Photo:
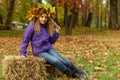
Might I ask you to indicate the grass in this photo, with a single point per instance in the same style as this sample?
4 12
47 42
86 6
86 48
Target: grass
99 55
0 72
11 33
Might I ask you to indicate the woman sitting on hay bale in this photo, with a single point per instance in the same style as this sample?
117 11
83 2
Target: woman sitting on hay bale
40 33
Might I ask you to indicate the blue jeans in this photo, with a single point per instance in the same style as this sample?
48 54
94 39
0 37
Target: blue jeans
55 59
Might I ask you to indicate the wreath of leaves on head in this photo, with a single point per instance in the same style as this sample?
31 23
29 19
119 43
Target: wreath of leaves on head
34 12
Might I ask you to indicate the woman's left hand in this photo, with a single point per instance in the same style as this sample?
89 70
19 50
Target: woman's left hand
57 29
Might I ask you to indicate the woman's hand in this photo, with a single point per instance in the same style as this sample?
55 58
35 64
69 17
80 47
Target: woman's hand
57 29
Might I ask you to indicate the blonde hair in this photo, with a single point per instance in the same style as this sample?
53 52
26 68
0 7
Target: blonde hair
49 24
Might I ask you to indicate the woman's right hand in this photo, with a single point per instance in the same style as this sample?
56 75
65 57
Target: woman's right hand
57 29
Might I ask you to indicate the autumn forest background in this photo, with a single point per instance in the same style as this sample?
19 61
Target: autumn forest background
89 33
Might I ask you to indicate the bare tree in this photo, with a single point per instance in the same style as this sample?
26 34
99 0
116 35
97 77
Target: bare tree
113 19
10 9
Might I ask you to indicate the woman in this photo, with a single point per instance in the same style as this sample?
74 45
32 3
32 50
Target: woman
39 32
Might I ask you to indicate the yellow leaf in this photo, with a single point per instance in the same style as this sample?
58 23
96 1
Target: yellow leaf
99 68
52 9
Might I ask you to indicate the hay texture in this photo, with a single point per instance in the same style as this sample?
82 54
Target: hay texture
55 74
27 68
30 68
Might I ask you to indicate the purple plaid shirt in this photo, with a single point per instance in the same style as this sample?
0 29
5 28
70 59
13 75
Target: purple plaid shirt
40 42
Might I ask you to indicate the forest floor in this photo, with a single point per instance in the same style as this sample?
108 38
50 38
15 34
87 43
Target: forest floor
96 52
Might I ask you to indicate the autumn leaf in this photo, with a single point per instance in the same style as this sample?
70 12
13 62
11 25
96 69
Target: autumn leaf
99 68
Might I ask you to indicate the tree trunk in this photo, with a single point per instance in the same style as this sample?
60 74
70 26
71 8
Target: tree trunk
101 14
89 20
106 14
1 23
84 18
75 22
66 19
97 13
11 8
71 23
65 15
113 19
118 12
1 20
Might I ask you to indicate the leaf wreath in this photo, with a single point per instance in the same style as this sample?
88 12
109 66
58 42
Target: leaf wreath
34 12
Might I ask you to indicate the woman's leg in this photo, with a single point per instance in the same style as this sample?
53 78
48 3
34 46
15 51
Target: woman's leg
53 60
67 63
58 64
55 54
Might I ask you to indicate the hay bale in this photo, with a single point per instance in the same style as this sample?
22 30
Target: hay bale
28 68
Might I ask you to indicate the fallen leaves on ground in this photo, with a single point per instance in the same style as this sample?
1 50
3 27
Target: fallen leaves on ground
85 46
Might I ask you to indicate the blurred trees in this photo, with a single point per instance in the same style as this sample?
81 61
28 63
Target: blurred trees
72 10
102 14
14 10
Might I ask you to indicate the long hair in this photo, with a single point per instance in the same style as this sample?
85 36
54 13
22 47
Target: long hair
37 26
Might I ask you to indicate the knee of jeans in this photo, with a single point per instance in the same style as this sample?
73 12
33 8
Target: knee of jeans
57 62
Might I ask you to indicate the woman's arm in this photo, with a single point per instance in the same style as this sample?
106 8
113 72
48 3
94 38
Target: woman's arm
54 38
26 38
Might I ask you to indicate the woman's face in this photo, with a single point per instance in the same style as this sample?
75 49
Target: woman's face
43 18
